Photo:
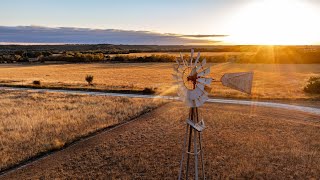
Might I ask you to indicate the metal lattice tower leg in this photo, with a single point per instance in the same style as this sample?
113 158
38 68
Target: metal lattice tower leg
195 128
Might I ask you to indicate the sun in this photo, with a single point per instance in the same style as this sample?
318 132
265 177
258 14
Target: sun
275 22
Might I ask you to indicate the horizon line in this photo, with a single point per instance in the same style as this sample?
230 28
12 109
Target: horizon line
123 36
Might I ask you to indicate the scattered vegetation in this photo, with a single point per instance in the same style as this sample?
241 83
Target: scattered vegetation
89 79
36 82
313 85
33 123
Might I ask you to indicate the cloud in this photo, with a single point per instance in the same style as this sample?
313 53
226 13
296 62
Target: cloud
70 35
204 35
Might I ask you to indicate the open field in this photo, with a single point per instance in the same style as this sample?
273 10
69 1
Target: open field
271 81
177 54
33 123
239 143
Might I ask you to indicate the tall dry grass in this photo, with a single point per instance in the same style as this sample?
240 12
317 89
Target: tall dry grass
32 123
271 81
177 54
239 142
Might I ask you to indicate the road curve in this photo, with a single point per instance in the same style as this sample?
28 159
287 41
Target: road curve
311 110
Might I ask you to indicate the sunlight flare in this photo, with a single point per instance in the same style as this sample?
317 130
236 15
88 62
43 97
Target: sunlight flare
275 22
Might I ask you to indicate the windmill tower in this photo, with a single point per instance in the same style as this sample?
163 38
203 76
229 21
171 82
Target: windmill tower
193 81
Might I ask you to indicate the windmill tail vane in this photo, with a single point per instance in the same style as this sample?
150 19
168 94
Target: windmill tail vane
193 81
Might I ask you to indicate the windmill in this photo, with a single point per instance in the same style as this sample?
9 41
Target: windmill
193 81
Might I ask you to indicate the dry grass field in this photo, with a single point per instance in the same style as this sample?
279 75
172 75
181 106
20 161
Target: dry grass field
32 123
271 81
177 54
240 142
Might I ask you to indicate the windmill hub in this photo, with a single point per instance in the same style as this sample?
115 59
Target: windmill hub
193 78
189 78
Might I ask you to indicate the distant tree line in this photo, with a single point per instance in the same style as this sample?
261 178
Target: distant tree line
258 54
76 57
122 49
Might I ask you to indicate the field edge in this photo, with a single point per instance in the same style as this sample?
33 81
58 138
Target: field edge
75 141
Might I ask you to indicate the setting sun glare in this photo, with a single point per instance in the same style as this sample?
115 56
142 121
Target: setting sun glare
275 22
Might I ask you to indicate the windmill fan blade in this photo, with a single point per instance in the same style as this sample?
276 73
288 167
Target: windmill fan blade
203 63
177 83
238 81
203 98
185 63
193 71
197 102
176 70
197 60
204 72
182 92
200 86
177 77
205 81
176 67
194 94
191 57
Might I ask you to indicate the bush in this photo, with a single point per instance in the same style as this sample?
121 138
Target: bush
38 83
313 85
148 91
89 79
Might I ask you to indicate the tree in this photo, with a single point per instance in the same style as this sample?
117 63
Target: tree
37 54
89 79
313 85
20 53
46 53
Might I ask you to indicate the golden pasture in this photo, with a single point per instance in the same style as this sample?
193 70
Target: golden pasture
177 54
33 123
240 142
271 81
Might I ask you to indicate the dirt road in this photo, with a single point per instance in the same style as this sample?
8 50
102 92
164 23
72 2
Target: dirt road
313 110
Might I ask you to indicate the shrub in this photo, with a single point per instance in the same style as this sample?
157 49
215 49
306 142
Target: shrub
313 85
148 91
89 79
38 83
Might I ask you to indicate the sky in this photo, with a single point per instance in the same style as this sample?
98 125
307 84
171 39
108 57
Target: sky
244 21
